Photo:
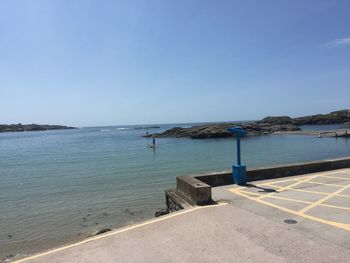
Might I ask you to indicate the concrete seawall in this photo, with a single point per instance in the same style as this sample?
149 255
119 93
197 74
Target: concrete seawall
196 189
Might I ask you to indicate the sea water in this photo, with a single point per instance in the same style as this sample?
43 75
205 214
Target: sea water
61 186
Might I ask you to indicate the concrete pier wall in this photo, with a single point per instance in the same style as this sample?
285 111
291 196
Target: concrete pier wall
196 189
276 171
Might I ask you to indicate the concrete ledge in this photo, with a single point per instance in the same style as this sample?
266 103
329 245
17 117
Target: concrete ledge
216 179
196 191
278 171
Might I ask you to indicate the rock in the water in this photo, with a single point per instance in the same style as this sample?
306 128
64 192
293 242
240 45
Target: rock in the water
103 230
219 130
30 127
162 212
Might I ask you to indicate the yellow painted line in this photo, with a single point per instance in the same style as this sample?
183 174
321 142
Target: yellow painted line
348 196
336 206
297 178
336 177
289 186
324 199
121 230
289 199
303 190
238 188
276 197
270 185
320 220
249 193
334 185
281 181
297 200
294 178
307 202
308 191
282 198
273 181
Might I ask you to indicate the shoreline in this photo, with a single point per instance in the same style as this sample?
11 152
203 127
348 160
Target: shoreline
152 236
325 133
203 177
83 237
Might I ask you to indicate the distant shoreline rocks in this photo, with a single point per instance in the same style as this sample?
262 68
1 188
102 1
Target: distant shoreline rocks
338 133
31 127
268 125
147 127
335 117
219 130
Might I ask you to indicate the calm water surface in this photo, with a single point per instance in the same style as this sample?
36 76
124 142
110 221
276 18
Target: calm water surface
62 186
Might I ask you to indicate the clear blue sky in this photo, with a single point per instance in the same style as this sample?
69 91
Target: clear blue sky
88 63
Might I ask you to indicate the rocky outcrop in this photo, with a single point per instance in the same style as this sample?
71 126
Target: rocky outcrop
277 120
335 117
219 130
268 125
30 127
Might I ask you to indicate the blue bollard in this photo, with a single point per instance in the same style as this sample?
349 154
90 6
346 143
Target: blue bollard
239 174
238 170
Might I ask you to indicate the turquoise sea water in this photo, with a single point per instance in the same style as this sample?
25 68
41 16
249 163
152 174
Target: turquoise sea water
62 186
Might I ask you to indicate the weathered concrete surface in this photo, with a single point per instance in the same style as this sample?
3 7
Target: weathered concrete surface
279 171
242 231
196 191
319 202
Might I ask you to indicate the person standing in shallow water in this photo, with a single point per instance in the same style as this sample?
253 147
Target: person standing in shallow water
154 142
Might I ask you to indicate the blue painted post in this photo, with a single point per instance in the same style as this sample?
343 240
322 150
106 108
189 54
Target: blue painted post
238 170
238 150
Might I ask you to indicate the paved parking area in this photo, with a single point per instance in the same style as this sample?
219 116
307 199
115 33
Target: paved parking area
321 197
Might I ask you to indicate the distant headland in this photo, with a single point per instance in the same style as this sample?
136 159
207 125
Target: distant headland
268 125
31 127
